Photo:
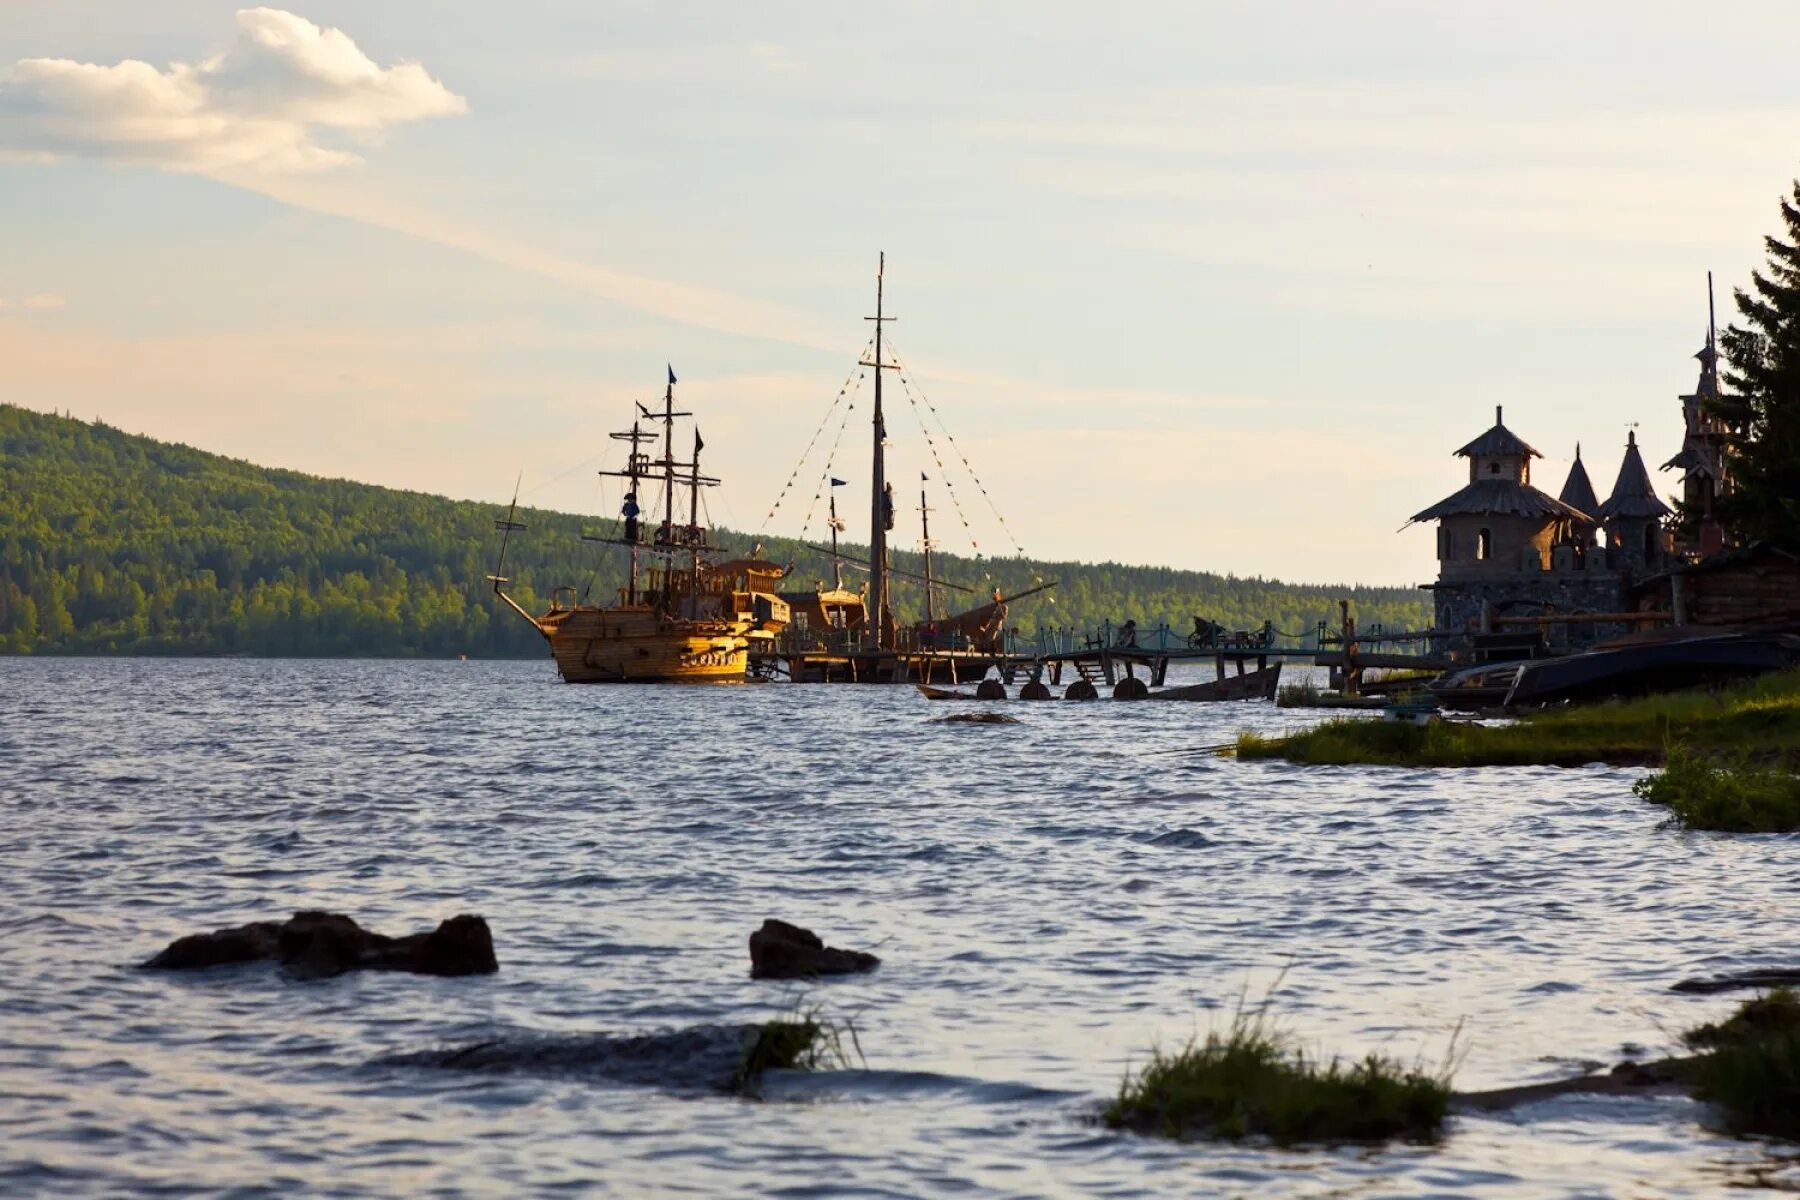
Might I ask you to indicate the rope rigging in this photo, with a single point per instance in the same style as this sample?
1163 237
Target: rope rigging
854 379
943 471
822 487
904 372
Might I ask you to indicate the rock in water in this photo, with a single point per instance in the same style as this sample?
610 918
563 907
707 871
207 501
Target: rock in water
323 944
460 946
246 943
782 951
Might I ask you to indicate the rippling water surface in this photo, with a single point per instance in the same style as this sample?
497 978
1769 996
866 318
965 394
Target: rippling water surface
1050 900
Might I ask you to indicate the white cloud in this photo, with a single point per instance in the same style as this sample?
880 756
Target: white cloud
285 97
39 300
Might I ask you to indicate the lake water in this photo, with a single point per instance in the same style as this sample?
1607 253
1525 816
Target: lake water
1050 900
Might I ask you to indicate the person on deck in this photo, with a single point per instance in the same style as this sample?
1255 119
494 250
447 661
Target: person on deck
629 510
664 535
1128 633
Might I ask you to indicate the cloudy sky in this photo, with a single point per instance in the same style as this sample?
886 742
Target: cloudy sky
1216 285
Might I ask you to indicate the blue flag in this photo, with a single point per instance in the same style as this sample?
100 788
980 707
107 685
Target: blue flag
671 376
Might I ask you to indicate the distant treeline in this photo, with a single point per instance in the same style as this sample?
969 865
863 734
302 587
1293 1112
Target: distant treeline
111 543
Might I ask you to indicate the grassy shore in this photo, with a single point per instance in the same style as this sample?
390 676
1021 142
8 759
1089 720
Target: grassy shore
1252 1081
1751 1068
1758 721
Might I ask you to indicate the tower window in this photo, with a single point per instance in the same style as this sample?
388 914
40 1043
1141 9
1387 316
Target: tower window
1649 543
1484 546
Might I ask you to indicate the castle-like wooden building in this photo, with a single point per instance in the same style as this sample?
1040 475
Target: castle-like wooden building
1507 549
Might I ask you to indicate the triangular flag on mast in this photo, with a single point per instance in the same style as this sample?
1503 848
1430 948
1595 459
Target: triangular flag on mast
671 376
698 444
837 482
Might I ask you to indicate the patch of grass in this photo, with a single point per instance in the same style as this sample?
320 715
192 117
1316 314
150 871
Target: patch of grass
1773 1012
1304 694
1252 1080
803 1040
1732 796
1758 718
1752 1071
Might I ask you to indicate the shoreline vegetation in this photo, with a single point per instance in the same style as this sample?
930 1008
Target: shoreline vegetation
1757 719
1730 757
112 543
1255 1080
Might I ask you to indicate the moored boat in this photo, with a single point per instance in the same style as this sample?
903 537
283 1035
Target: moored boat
687 617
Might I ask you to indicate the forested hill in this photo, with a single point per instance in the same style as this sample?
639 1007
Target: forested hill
111 543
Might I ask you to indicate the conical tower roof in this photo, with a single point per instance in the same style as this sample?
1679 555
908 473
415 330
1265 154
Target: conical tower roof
1632 494
1578 490
1498 441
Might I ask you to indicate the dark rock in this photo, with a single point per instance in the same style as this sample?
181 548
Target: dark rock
1665 1076
990 689
979 718
782 951
246 943
1767 978
319 944
460 946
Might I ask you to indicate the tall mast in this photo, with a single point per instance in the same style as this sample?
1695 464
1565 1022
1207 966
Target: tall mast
632 476
837 564
668 462
694 519
878 475
925 542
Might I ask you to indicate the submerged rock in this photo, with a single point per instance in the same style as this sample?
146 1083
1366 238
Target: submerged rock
701 1058
1768 977
782 951
322 944
978 718
1666 1076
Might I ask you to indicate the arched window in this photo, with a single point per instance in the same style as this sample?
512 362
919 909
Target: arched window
1484 546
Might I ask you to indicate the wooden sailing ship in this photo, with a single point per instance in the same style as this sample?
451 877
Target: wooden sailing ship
853 636
682 616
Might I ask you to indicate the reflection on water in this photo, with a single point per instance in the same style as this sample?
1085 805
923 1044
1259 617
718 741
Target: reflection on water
1049 900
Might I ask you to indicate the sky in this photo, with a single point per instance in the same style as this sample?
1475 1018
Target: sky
1211 285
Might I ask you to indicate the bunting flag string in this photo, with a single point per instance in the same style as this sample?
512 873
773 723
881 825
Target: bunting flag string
949 437
852 383
820 488
943 471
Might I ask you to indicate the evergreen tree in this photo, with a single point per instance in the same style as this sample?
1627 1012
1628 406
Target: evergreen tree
1764 412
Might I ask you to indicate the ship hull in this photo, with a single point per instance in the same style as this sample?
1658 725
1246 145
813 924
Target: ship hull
595 645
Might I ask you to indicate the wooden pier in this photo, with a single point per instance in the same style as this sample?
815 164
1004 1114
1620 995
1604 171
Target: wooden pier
1121 661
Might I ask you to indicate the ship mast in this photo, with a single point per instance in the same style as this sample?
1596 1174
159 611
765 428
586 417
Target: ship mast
693 538
925 543
837 564
879 503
